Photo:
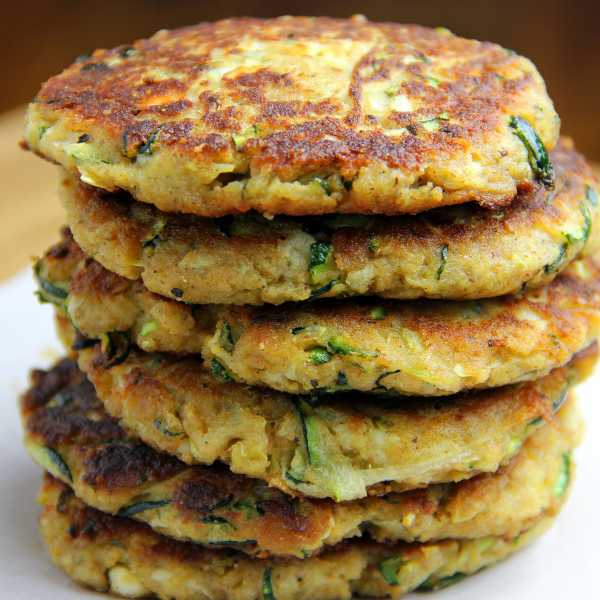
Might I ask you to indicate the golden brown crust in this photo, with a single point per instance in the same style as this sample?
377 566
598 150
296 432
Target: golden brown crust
453 253
241 111
417 348
126 558
175 406
421 348
113 472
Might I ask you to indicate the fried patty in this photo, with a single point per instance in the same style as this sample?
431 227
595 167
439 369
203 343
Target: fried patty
422 347
68 432
300 116
341 447
126 558
462 252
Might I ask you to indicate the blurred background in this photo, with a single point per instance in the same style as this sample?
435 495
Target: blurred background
41 37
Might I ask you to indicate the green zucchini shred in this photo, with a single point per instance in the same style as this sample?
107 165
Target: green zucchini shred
558 261
562 482
219 371
158 424
59 462
226 338
115 346
266 587
591 195
539 160
443 261
430 585
49 292
389 569
337 345
324 289
215 520
378 384
146 147
147 328
320 262
297 330
138 507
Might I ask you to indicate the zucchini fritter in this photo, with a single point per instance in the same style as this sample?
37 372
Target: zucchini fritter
300 116
127 558
68 432
459 253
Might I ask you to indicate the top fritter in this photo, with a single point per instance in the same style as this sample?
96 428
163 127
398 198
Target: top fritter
300 116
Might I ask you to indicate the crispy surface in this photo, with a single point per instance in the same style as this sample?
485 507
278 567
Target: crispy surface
297 116
417 348
128 559
460 253
371 448
427 348
113 472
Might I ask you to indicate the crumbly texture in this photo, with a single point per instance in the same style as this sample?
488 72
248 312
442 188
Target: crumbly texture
98 301
339 447
113 472
428 348
300 116
128 559
462 252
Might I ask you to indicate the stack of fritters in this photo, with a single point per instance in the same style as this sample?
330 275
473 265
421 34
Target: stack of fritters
326 286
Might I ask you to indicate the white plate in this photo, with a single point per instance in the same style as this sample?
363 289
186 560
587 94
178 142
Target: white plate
563 564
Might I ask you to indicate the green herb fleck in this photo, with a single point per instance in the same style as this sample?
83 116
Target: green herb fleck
536 151
443 261
389 569
297 330
138 507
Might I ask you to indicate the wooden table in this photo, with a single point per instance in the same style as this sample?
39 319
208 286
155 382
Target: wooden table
30 213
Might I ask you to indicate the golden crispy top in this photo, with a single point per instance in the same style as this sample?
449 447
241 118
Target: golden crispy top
295 96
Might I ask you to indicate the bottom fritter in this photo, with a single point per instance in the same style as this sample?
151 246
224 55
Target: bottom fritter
127 558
